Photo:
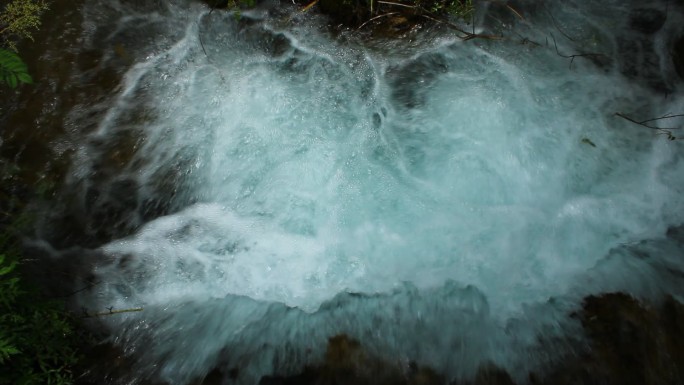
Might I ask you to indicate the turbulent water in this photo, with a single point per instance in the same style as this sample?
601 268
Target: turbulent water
443 201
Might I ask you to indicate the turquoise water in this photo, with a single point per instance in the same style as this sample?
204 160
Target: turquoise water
445 202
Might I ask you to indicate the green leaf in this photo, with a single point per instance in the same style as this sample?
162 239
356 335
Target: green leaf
6 350
6 269
12 81
25 78
12 69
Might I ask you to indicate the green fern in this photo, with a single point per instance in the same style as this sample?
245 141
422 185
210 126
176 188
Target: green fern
8 294
12 69
6 350
38 342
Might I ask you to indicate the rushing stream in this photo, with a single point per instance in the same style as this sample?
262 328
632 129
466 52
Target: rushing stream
260 184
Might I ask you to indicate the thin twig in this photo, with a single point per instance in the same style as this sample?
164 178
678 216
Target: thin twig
308 6
525 40
514 11
376 17
661 131
199 33
643 123
572 57
110 311
90 284
553 19
467 34
667 116
509 7
398 4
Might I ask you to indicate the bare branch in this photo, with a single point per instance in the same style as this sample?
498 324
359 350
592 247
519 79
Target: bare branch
572 57
555 24
467 35
110 311
660 130
667 116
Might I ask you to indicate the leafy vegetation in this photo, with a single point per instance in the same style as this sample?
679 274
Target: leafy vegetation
38 339
37 344
463 9
12 69
19 19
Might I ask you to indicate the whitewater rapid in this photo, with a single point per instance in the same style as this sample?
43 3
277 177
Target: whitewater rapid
446 202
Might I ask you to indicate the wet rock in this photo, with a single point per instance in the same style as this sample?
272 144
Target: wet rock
125 192
217 376
676 233
492 375
647 20
386 19
152 208
639 62
410 81
377 120
108 363
347 362
347 12
121 198
678 56
630 343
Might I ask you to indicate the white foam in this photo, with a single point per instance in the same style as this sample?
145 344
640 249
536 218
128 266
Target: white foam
489 176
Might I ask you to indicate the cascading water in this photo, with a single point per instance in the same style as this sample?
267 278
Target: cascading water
428 196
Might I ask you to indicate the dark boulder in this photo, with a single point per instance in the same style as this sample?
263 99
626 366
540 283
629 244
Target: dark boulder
647 20
347 12
678 56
